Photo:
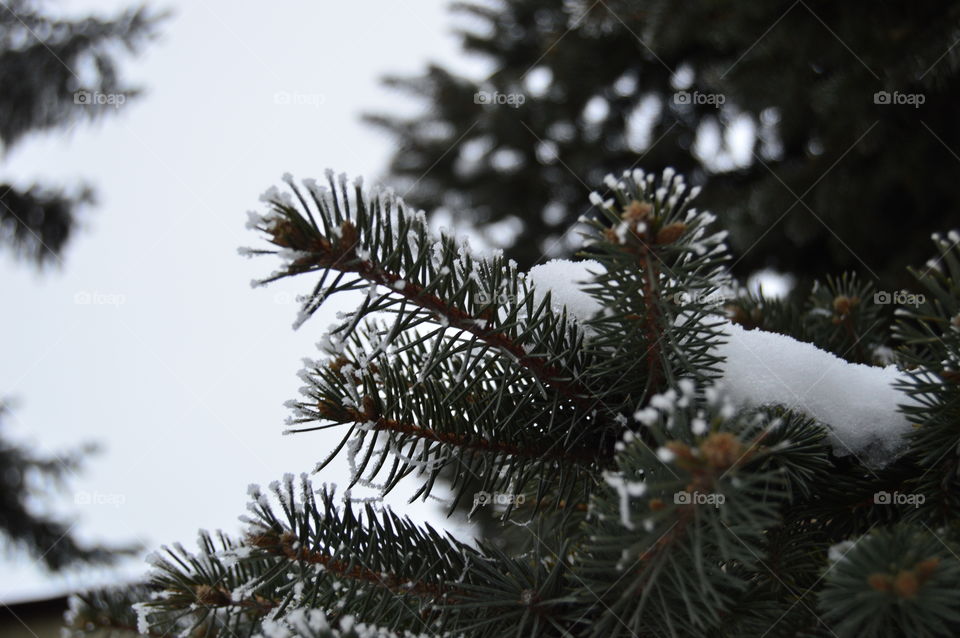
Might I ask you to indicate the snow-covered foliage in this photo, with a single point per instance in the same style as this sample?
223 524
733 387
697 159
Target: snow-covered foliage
313 623
858 403
565 280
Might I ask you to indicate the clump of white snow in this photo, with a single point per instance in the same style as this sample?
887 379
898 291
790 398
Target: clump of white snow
839 551
857 403
566 281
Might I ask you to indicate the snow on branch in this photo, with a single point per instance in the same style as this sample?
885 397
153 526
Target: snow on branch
858 403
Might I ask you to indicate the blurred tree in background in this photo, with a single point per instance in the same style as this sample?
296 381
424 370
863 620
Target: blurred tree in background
54 73
827 131
48 539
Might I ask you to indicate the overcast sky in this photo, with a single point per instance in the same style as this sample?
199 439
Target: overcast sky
149 338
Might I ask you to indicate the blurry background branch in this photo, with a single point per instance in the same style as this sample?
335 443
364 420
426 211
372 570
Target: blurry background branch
52 71
54 74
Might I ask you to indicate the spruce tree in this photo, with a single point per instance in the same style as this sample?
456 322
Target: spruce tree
852 110
49 66
46 538
685 457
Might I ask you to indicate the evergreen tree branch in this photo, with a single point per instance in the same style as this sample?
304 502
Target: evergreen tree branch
930 334
428 410
379 568
893 582
714 487
380 243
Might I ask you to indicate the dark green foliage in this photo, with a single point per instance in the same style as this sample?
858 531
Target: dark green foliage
930 332
832 182
897 582
666 296
317 555
712 493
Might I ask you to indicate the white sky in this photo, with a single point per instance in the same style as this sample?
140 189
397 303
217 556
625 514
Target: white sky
183 382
